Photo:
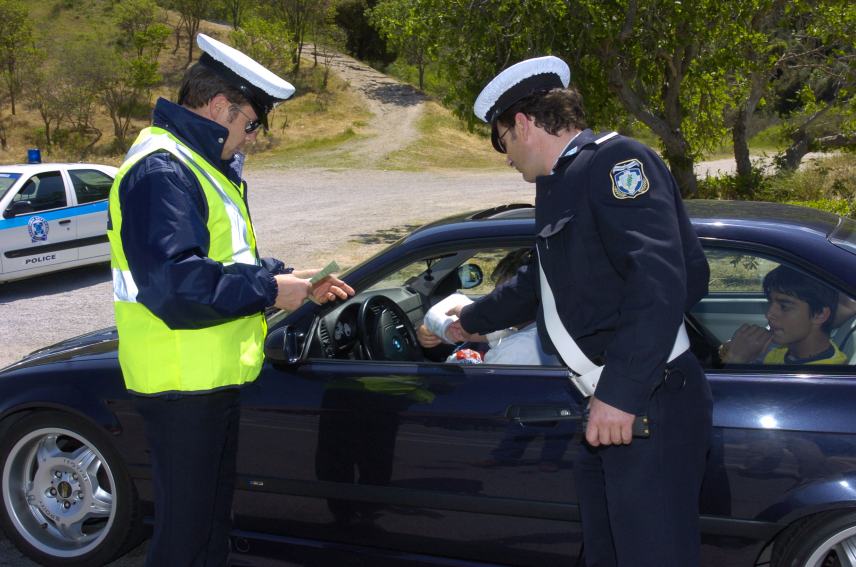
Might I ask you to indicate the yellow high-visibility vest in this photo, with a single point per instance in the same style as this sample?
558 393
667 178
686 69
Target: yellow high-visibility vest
153 357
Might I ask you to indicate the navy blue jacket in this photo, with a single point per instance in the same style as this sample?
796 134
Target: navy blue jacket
166 241
623 270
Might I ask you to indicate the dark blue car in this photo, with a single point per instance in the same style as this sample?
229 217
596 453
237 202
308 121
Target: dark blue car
358 447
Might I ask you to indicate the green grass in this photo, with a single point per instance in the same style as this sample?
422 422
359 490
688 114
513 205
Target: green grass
445 143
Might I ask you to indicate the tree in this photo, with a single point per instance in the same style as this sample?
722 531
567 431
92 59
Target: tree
80 76
267 41
362 40
410 30
15 42
44 94
665 63
237 10
658 61
298 15
820 62
142 26
191 12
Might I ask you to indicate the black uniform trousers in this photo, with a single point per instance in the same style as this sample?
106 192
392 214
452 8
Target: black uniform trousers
639 503
194 441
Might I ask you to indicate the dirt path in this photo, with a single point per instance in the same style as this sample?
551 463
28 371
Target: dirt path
395 107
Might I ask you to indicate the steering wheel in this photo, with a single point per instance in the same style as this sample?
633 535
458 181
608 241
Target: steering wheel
386 332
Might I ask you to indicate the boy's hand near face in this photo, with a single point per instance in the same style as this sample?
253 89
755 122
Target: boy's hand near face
747 345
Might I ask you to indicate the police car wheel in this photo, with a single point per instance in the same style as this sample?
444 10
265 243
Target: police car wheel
67 497
822 540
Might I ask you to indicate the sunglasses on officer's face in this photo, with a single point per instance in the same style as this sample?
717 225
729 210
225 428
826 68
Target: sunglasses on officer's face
252 125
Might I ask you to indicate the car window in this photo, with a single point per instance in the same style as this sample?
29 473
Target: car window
90 184
763 311
6 181
443 279
42 192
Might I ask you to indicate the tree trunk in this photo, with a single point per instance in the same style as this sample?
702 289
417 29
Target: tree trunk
178 27
10 69
802 140
677 148
683 170
792 157
88 148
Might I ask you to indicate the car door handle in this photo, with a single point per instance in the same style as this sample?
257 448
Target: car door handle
64 221
542 413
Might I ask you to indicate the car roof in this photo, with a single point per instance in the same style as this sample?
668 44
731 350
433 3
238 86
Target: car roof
806 236
702 212
39 167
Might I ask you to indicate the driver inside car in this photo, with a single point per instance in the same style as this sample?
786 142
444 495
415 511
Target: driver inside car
517 345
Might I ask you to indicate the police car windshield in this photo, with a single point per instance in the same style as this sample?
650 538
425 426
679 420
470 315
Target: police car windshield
6 181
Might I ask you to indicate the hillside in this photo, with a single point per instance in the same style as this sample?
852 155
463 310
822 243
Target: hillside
345 124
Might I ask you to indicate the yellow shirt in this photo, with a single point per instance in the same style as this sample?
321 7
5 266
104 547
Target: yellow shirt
778 354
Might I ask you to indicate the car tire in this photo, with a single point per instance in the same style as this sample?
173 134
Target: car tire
68 499
822 540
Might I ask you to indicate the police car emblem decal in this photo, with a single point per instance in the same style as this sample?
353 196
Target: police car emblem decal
628 179
38 228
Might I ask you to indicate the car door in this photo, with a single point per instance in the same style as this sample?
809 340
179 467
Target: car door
464 461
38 230
91 188
426 458
784 441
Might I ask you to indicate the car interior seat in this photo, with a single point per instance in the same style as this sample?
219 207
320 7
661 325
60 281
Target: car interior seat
843 335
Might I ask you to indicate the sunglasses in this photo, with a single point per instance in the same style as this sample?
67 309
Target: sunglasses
252 125
499 139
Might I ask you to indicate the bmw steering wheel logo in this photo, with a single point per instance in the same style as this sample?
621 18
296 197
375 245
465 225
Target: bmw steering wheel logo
396 343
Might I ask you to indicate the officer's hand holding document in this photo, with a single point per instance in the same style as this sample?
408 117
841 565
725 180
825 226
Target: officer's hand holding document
324 286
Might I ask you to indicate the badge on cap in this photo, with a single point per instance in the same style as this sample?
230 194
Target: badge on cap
628 179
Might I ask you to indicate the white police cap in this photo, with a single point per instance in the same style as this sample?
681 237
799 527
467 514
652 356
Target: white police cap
262 88
519 81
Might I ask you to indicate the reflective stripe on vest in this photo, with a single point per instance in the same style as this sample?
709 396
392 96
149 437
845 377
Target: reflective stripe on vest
153 357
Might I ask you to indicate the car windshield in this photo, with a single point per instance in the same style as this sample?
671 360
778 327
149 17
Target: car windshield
6 181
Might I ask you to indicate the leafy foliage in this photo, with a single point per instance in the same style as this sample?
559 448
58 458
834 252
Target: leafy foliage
362 40
16 33
267 41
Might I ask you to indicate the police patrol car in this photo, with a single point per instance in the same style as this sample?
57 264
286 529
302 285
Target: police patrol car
54 216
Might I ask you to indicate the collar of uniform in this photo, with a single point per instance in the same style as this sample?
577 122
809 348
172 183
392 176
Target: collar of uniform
205 136
583 138
570 149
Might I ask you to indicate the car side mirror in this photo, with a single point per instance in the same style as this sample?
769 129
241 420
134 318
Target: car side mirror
284 345
470 276
18 208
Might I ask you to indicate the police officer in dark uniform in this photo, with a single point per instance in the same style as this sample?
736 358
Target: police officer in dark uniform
621 264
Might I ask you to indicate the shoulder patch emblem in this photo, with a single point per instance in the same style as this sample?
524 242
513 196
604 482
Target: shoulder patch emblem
628 179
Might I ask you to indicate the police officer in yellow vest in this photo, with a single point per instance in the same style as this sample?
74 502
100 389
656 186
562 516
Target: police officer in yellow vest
190 291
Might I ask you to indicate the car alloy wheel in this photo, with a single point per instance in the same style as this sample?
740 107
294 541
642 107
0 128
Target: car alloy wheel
67 500
824 540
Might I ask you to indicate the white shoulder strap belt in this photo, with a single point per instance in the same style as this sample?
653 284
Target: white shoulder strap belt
584 373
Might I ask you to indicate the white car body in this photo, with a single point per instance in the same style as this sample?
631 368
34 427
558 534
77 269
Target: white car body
54 217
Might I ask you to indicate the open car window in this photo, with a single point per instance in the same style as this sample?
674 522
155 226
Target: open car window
761 311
